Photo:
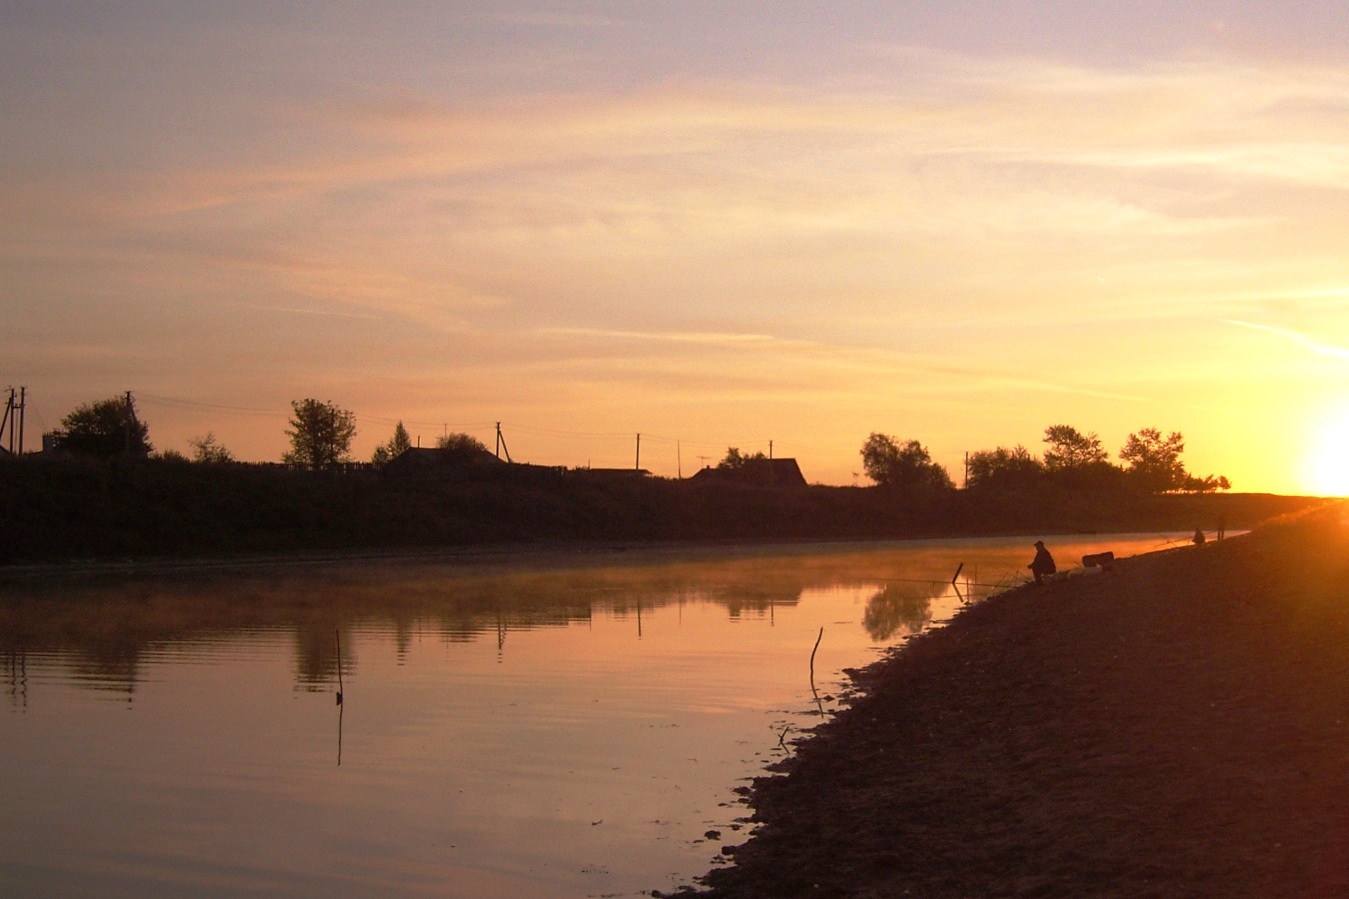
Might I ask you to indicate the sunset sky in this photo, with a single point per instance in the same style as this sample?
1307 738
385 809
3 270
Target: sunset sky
713 224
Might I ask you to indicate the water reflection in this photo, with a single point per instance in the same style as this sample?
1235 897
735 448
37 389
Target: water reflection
901 608
16 678
101 626
553 727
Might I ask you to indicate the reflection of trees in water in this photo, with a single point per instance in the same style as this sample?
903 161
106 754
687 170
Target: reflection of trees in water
900 606
108 647
115 668
757 599
16 678
316 654
101 627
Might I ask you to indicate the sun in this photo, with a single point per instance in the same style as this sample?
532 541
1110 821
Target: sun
1325 468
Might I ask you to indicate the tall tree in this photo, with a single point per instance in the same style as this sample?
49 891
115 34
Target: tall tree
902 465
105 429
1154 460
321 435
1070 449
398 444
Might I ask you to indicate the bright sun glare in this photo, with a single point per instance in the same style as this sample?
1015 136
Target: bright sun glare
1326 467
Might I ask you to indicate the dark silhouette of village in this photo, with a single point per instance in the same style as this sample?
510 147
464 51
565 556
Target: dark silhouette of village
99 492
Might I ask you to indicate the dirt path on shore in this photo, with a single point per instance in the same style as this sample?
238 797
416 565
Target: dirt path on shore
1177 728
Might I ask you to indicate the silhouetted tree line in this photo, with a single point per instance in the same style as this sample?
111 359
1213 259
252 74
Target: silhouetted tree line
1071 460
320 436
321 433
107 493
110 496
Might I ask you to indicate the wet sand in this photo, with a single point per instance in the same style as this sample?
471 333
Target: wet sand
1178 727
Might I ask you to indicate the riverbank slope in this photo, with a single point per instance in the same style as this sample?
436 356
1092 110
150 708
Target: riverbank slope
62 510
1178 727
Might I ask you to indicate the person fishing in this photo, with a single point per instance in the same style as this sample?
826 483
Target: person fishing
1042 564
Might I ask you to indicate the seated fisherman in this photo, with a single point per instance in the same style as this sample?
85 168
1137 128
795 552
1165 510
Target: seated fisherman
1042 564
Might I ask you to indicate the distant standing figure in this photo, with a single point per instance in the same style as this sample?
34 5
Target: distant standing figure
1042 564
1199 537
1222 526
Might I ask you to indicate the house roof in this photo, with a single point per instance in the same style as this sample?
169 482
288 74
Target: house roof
773 472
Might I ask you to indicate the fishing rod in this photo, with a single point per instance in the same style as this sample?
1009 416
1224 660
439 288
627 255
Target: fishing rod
933 582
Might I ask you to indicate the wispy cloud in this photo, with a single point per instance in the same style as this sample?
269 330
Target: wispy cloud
1302 340
920 235
327 313
701 338
803 365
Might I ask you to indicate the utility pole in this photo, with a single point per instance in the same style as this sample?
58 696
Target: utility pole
770 450
9 412
679 461
638 467
23 404
501 444
130 420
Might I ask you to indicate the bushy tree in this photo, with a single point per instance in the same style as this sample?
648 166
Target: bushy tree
1206 484
1076 460
209 451
1003 469
905 466
1154 460
1069 448
461 441
398 444
735 459
321 435
104 429
463 448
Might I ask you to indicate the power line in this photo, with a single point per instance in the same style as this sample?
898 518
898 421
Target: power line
184 403
699 448
515 426
426 425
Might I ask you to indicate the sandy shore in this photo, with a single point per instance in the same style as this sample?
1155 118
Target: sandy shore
1179 727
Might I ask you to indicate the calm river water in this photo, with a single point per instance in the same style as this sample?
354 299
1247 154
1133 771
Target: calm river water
556 726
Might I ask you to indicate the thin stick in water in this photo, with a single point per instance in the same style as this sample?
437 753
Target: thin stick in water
340 686
812 658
